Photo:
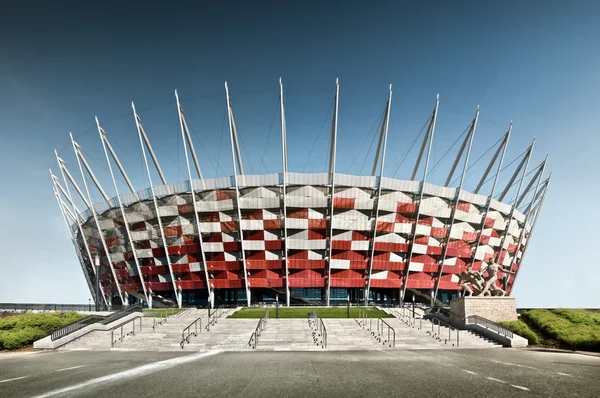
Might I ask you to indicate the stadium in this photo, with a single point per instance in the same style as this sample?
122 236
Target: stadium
321 239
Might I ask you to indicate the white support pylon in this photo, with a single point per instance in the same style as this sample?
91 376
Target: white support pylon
284 181
233 139
491 196
123 297
104 141
142 133
193 194
64 212
430 134
332 156
384 135
470 137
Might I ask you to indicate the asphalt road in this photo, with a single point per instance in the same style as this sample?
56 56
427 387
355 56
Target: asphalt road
413 373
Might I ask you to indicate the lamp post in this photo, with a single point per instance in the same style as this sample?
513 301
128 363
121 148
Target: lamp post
413 300
89 305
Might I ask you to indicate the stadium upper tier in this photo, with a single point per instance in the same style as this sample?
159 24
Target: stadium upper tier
289 231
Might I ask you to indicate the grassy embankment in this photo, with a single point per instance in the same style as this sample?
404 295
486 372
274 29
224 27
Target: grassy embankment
18 330
560 328
303 312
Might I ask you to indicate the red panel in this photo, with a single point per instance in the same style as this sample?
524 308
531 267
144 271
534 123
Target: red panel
189 285
224 265
306 264
317 223
264 264
307 282
393 283
383 226
347 283
254 235
185 209
438 232
172 231
254 215
469 236
227 284
316 234
435 250
341 244
232 246
343 203
406 208
229 226
272 224
391 247
264 282
221 195
177 250
388 265
273 245
158 252
297 213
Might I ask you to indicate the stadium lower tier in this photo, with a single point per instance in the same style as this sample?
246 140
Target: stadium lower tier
256 240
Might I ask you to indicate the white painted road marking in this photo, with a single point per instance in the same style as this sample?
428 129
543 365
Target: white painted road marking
513 364
469 372
563 374
72 367
16 378
139 371
520 387
498 380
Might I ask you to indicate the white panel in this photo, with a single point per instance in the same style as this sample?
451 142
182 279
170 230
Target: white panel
312 255
225 217
396 196
435 190
302 244
399 185
359 245
115 257
208 227
364 204
196 267
419 249
468 217
482 251
302 234
352 193
476 199
415 267
307 179
379 275
390 238
232 256
403 228
271 236
259 203
339 264
139 235
296 223
144 253
454 278
423 230
354 181
257 180
504 208
342 235
390 217
315 215
254 245
106 224
306 202
450 261
269 215
396 258
520 217
213 246
252 225
225 237
213 183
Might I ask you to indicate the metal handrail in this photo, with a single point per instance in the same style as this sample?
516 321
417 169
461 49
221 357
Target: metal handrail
74 326
186 339
320 331
212 317
391 333
118 315
259 328
112 330
490 325
438 335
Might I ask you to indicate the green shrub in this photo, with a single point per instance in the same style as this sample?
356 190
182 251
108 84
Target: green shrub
22 329
13 339
521 328
574 335
585 317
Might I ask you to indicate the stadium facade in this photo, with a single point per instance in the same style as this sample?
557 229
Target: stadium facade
322 238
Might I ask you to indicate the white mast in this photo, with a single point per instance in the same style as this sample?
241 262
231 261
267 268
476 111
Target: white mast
332 155
284 180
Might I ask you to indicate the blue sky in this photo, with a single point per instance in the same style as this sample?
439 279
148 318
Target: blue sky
530 61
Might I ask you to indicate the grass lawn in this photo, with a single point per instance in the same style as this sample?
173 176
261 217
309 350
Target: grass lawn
18 330
523 330
157 311
572 329
302 312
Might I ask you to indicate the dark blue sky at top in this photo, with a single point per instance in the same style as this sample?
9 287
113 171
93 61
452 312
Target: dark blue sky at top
63 63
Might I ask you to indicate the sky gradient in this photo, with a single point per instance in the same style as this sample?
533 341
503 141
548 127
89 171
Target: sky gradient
532 62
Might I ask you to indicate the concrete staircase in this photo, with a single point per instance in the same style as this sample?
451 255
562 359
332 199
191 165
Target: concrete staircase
287 335
418 329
